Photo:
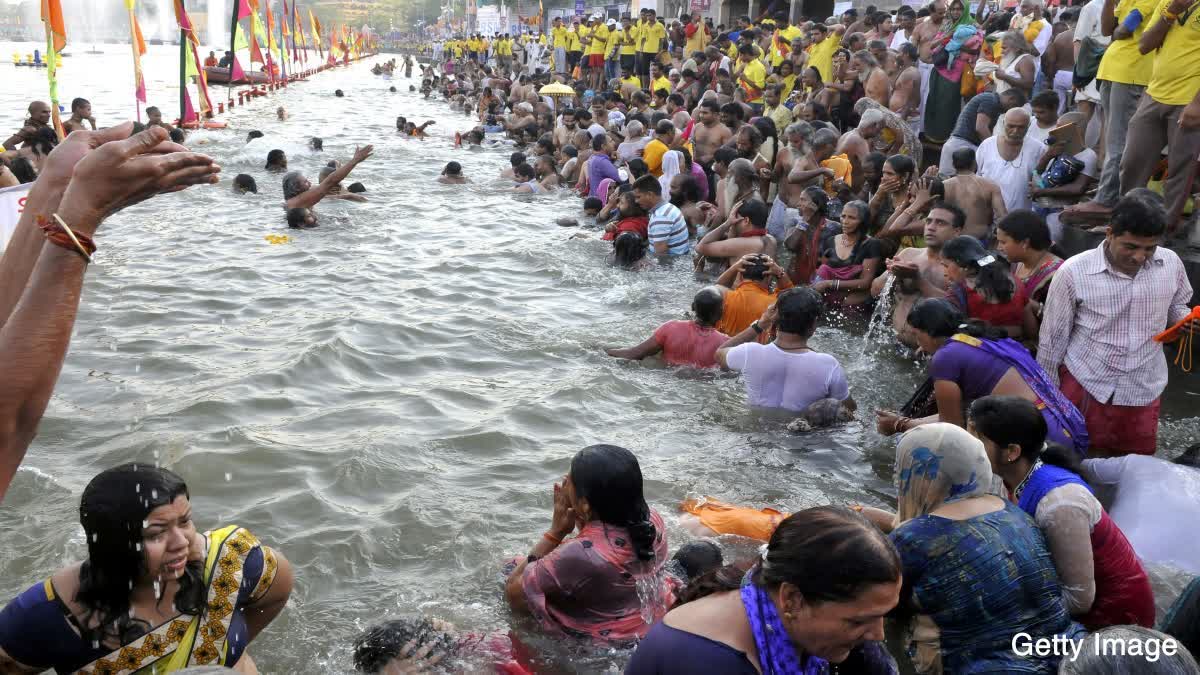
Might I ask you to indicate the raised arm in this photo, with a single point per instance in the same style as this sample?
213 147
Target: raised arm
101 175
311 196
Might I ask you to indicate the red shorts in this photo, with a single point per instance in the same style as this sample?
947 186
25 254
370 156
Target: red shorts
1113 430
595 61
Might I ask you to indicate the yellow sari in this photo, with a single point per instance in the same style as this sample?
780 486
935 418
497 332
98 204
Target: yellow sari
190 640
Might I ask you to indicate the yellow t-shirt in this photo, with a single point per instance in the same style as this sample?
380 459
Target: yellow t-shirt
599 40
633 80
614 39
584 32
789 84
752 81
573 42
651 38
660 83
628 40
1123 62
560 37
820 55
1176 77
652 155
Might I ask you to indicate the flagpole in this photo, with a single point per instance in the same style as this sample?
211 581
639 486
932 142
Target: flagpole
233 24
133 38
51 75
183 40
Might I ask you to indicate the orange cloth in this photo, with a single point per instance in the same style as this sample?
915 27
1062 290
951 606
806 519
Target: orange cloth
743 305
842 170
743 521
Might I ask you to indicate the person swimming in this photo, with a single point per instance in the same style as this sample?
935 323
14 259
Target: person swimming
452 174
301 195
243 183
276 161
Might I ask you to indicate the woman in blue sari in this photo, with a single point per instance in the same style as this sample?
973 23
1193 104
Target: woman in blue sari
972 360
154 595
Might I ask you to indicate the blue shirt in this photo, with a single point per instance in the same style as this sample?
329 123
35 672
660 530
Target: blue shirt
668 225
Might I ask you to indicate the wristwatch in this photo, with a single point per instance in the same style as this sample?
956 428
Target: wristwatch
757 328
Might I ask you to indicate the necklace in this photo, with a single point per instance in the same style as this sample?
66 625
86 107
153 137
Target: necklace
1021 486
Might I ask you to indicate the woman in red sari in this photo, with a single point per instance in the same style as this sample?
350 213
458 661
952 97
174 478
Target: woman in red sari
982 286
1024 238
804 241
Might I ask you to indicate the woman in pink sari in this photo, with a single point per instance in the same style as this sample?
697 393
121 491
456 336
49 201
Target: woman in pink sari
588 586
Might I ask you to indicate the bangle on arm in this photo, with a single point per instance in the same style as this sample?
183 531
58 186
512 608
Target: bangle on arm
553 539
59 234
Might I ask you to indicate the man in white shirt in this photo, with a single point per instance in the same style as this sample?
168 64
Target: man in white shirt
1010 159
906 18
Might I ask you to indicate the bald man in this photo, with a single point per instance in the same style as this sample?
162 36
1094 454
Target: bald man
1008 159
39 117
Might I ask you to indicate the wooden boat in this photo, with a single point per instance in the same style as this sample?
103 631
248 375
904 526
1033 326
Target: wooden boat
217 75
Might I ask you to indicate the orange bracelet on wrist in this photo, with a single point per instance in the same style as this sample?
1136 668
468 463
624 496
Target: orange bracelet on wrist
553 539
59 234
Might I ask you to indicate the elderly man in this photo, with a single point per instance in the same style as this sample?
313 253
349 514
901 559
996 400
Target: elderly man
856 143
1009 159
1103 310
975 123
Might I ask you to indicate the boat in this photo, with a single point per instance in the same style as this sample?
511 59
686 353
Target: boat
218 75
154 41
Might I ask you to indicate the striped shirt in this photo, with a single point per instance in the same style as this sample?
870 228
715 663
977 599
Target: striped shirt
1099 322
667 225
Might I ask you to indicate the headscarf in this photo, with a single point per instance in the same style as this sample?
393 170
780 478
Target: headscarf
670 168
937 464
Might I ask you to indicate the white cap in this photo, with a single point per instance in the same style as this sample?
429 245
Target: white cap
612 22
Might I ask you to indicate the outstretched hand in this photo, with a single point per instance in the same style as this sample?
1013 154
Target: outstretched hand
60 163
364 152
110 174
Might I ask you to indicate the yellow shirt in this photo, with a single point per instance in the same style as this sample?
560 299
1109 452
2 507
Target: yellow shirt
778 52
560 37
752 81
458 50
697 42
542 39
651 38
820 55
583 33
599 40
789 84
628 40
573 42
652 155
732 51
1123 62
780 115
1176 77
633 80
660 83
614 39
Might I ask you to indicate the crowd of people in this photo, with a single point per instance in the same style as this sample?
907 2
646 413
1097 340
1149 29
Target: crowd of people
919 165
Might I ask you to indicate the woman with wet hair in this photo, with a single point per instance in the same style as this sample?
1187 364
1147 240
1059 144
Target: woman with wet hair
982 285
805 242
422 644
605 583
154 593
817 596
629 252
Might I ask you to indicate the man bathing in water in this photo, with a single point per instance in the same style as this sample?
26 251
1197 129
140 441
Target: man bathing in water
81 111
39 118
979 197
301 196
918 271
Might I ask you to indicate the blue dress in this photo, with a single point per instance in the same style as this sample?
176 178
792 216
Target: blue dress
982 580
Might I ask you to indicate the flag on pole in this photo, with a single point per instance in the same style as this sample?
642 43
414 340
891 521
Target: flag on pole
316 32
56 39
191 60
139 50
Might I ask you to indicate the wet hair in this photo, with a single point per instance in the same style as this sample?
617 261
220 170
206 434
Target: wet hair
255 133
598 142
628 248
1140 213
44 140
875 159
1012 420
113 509
939 318
816 194
516 159
338 92
1095 659
799 308
23 169
78 103
274 157
959 220
375 647
1025 225
176 135
526 171
610 479
637 168
709 305
452 169
829 553
291 184
696 558
756 211
989 269
356 188
963 158
864 213
822 137
903 165
725 155
1014 96
733 110
664 127
296 216
648 184
316 143
593 204
152 110
245 182
570 150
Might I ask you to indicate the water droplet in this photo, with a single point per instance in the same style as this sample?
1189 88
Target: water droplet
228 476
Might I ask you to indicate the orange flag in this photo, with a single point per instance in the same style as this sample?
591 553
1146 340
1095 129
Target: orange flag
52 14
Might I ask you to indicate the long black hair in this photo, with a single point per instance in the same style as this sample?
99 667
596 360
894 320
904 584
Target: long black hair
1012 420
829 553
941 319
988 268
112 510
628 248
610 479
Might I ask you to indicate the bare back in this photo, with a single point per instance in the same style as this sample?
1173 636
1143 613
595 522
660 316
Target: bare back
977 197
905 100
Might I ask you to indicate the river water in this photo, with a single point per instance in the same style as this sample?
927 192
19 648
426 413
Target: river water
388 398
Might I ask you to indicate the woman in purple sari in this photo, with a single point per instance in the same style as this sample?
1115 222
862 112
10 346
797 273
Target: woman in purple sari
816 597
972 360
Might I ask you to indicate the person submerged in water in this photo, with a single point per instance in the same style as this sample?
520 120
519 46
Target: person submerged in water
154 118
276 161
452 174
243 183
301 195
350 194
422 644
685 343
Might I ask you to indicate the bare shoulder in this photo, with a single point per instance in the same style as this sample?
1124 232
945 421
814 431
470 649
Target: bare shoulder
718 617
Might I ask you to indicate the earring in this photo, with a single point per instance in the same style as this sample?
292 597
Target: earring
788 616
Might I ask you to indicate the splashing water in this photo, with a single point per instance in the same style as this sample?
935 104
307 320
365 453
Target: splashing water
878 331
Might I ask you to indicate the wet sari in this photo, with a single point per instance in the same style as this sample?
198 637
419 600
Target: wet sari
1037 286
36 628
